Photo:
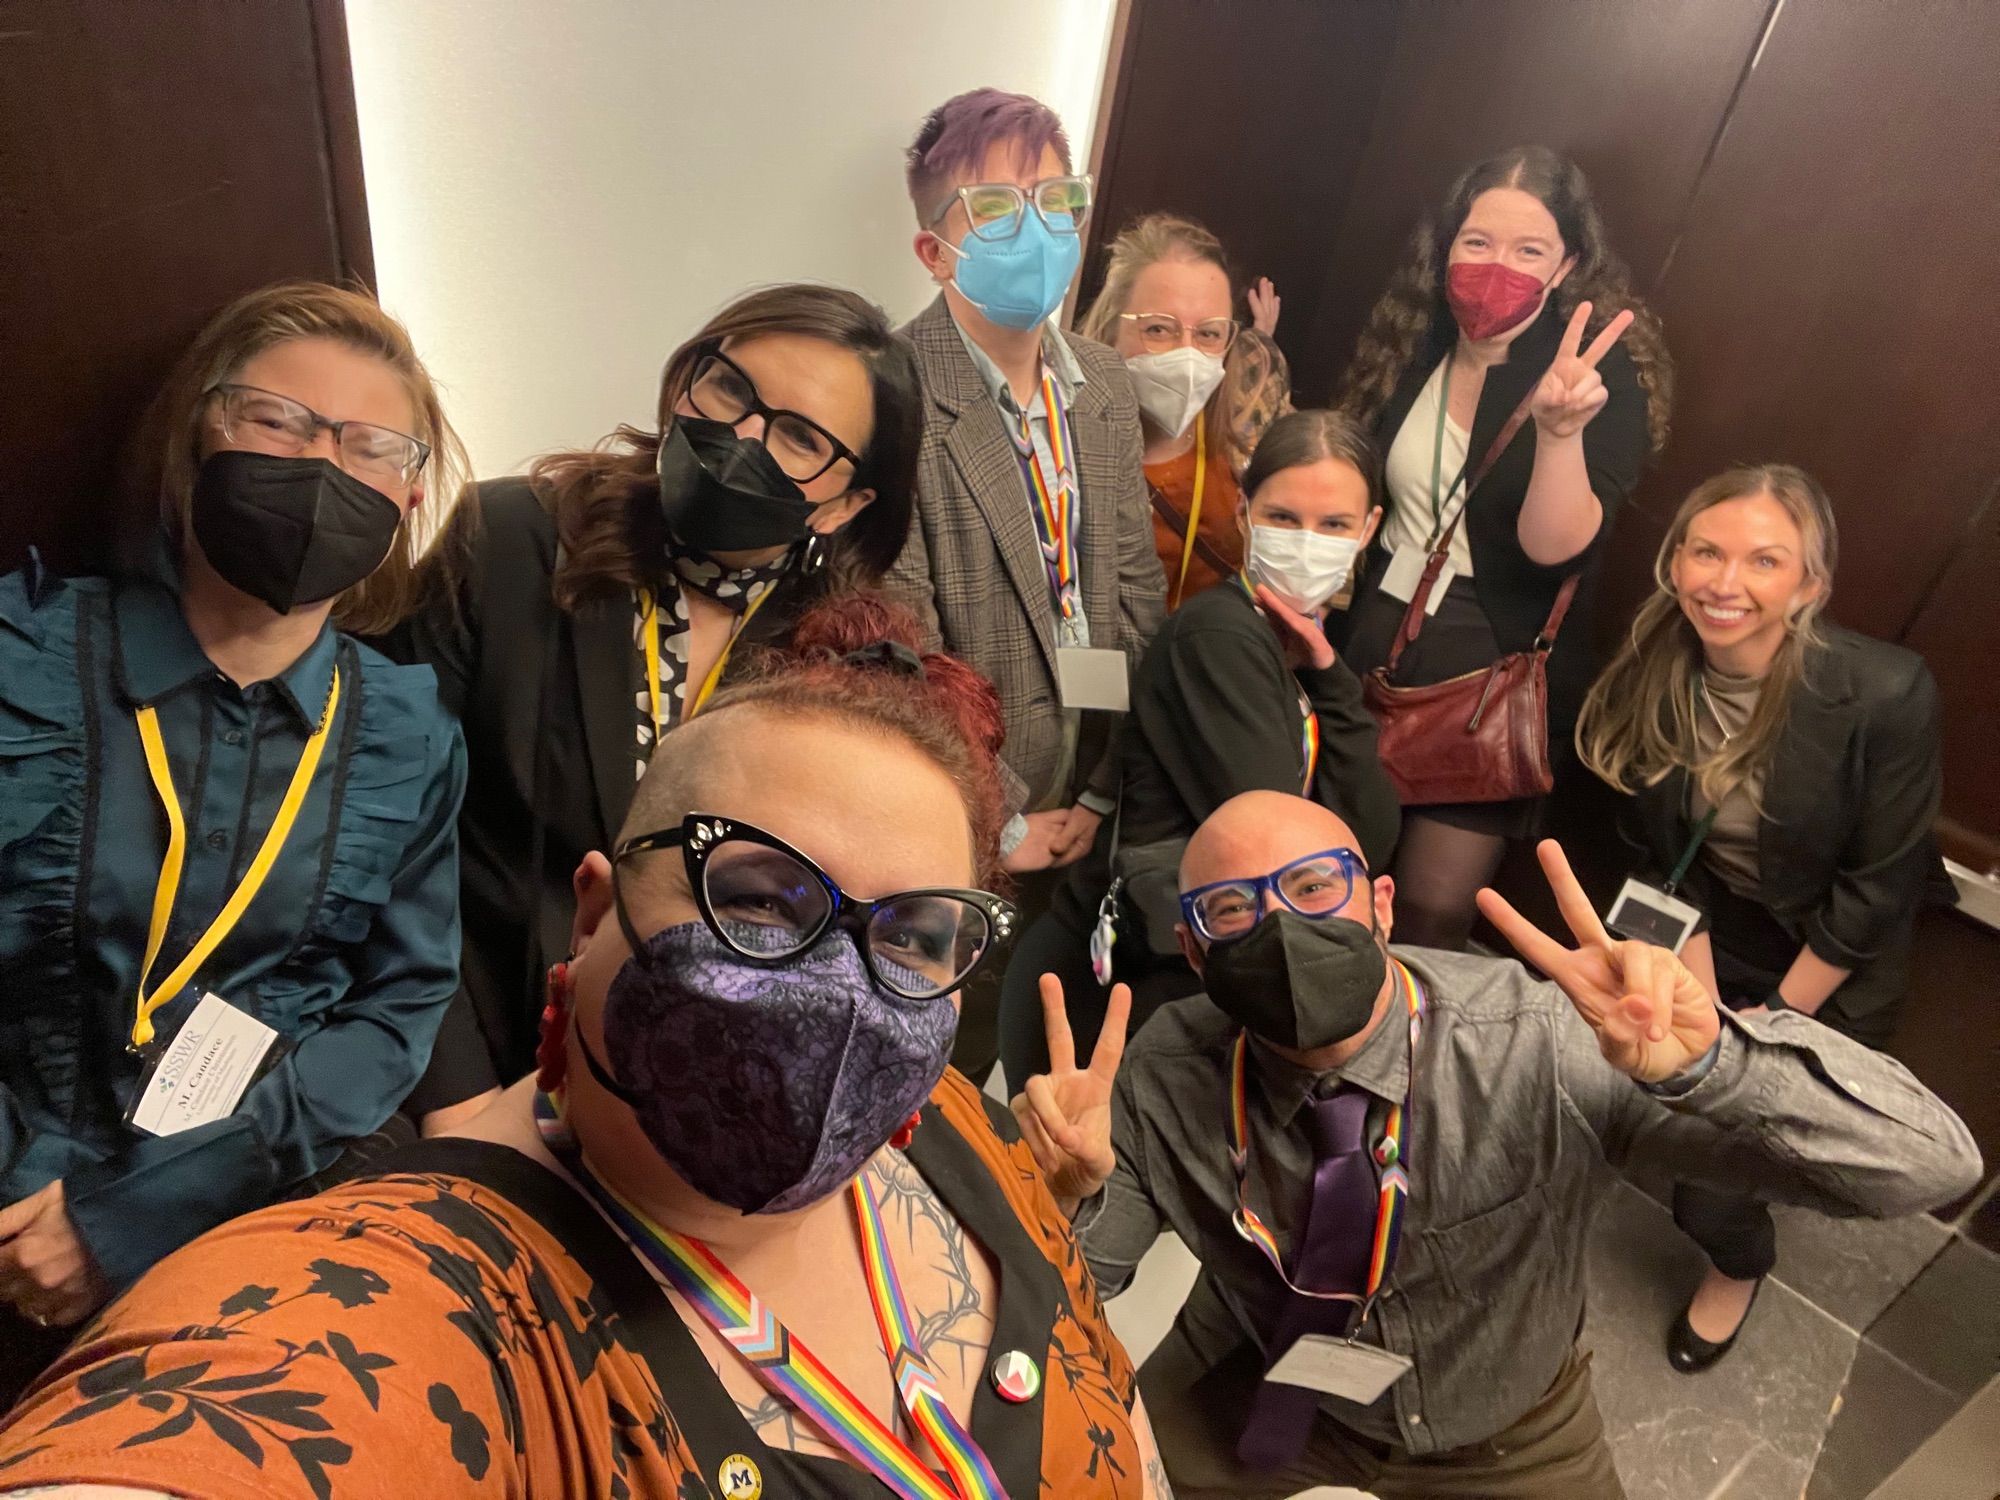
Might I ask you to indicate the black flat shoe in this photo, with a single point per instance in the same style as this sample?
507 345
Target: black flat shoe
1690 1353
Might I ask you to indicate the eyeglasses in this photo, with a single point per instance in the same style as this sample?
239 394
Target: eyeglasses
995 209
721 392
768 903
276 424
1163 331
1317 886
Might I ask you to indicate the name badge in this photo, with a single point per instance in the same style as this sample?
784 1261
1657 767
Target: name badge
1406 571
1092 677
1360 1373
1646 914
203 1073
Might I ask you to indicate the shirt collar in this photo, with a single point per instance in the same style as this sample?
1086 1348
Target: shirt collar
1056 355
158 654
1382 1067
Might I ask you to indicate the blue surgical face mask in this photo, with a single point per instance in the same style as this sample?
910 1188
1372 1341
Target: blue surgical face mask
1018 282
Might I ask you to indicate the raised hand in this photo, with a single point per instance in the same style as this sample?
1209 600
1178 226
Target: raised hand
1304 641
1572 392
1652 1017
1264 304
1065 1113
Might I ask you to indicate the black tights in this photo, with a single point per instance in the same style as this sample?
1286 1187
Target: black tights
1438 870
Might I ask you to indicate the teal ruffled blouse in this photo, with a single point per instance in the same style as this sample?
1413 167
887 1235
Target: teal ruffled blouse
350 950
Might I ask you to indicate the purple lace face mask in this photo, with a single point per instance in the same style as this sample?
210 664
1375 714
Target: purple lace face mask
766 1089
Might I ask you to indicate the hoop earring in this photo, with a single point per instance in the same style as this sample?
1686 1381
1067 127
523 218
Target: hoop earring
812 555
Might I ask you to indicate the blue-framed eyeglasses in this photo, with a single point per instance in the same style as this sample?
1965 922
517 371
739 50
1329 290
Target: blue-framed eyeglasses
1319 885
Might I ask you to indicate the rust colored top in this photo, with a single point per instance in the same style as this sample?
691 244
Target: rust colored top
424 1333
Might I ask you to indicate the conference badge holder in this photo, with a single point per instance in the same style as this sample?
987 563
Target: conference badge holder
1360 1373
1648 913
202 1074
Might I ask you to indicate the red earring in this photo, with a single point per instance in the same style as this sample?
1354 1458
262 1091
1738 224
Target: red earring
552 1049
905 1133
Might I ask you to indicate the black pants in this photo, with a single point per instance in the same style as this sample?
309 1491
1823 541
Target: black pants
1752 954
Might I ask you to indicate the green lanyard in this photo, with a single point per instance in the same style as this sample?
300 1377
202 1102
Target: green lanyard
1687 855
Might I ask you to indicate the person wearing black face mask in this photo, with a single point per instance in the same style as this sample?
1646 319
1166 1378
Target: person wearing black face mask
578 612
228 913
1386 1160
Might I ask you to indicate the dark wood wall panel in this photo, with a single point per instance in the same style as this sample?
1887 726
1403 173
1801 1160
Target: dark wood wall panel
1831 303
1634 93
155 161
1956 634
1203 123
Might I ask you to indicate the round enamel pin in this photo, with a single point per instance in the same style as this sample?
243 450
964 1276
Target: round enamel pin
1386 1153
739 1478
1016 1377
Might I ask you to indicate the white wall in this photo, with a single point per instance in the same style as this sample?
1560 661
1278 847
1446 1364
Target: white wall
561 192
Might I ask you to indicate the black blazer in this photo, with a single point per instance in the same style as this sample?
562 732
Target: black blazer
1514 591
547 700
1846 857
1215 712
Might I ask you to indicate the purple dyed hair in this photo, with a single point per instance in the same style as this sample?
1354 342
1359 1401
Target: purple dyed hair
956 136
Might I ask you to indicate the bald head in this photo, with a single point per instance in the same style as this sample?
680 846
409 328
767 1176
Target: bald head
1255 833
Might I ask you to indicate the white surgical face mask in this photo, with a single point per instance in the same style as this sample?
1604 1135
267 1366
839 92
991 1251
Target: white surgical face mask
1173 387
1303 568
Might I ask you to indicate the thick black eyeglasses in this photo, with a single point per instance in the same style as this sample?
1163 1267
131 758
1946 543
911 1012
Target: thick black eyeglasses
721 392
1317 886
768 903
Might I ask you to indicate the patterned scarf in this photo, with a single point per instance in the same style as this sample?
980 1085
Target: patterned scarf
734 588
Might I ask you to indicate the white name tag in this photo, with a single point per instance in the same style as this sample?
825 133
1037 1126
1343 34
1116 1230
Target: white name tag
204 1071
1092 677
1354 1372
1406 571
1647 914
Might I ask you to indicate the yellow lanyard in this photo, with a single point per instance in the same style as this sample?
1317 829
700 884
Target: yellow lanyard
1194 510
170 868
651 607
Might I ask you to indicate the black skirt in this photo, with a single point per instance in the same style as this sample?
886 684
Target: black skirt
1456 640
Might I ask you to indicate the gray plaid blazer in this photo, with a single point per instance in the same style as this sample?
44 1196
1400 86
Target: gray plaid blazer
973 570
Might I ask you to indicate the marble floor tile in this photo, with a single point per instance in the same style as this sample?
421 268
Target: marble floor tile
1946 1323
1886 1412
1960 1462
1750 1428
1852 1269
1145 1311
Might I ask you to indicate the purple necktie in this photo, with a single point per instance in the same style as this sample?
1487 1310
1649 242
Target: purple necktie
1332 1256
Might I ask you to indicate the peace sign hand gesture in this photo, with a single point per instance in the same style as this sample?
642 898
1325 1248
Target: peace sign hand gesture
1652 1017
1572 392
1065 1113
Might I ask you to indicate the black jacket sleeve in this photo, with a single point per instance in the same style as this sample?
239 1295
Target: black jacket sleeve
1219 711
1887 860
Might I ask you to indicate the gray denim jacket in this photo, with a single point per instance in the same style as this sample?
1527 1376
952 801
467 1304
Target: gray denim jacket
1517 1124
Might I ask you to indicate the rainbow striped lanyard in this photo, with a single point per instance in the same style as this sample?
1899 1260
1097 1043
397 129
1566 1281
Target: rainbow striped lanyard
1055 508
784 1364
1391 1154
1308 720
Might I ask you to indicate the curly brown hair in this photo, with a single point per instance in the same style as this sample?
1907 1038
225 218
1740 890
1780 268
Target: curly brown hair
1412 318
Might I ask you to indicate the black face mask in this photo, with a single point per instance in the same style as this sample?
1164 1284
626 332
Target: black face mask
723 493
1298 982
289 531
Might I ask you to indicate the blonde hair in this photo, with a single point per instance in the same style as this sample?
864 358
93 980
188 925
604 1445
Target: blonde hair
1639 721
1145 242
169 445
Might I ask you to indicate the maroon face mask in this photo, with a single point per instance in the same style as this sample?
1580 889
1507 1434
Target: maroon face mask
1488 298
